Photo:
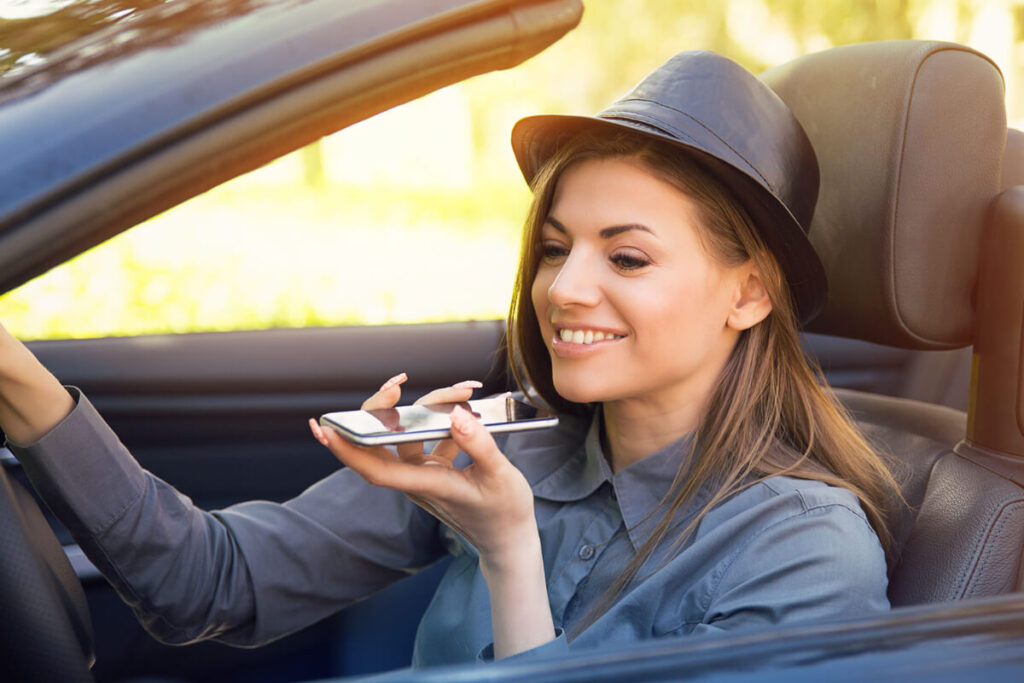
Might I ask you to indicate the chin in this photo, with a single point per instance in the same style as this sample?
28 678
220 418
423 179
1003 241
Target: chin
580 392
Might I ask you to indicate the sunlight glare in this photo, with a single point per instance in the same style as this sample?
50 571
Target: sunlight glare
26 9
938 20
752 24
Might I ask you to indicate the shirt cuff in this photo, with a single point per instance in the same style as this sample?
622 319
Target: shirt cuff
82 470
553 648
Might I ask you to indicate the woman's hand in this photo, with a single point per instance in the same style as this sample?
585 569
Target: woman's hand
32 401
489 503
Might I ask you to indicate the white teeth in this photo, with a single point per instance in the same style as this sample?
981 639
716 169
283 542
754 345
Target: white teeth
584 337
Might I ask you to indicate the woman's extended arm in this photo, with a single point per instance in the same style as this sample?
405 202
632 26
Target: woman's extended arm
243 575
489 503
32 401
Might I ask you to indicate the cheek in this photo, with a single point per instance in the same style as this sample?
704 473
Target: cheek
688 310
539 296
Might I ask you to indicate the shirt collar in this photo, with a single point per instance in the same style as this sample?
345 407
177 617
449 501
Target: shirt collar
576 473
639 488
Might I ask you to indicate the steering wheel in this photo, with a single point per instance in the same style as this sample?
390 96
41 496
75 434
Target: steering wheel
45 629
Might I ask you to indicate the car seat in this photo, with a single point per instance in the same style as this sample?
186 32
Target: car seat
923 243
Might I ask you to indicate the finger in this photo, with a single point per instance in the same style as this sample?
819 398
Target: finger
318 431
453 394
381 467
472 437
445 451
410 452
388 394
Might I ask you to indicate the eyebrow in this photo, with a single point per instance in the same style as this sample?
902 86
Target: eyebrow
604 233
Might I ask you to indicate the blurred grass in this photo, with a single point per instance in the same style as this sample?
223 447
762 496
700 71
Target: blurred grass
250 256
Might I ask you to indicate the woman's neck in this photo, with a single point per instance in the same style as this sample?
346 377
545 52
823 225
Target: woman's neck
633 431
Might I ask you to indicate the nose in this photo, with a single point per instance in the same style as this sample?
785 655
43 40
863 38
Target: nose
576 283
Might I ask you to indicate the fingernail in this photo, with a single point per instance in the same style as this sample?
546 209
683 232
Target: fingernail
468 384
461 420
400 377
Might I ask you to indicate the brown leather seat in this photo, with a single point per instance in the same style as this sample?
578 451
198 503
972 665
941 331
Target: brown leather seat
923 244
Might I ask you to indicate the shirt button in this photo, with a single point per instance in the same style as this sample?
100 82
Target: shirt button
586 552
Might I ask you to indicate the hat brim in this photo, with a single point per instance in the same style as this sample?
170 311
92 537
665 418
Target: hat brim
536 138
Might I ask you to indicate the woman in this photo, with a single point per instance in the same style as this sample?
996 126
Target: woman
700 479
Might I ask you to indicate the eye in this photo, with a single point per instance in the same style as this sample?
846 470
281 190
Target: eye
629 260
552 252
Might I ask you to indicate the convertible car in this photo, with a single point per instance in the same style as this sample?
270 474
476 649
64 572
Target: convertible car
112 112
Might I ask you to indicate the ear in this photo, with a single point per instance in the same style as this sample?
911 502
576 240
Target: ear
750 303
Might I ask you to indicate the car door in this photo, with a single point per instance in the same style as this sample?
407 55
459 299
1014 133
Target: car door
160 104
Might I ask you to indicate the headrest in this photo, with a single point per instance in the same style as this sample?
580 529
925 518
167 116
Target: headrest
1013 159
909 137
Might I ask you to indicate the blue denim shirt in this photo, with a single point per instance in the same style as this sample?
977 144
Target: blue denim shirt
781 551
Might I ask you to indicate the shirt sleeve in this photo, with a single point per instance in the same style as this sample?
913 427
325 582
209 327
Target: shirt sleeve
244 575
555 647
824 562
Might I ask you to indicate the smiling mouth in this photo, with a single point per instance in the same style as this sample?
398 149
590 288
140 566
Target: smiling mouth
586 337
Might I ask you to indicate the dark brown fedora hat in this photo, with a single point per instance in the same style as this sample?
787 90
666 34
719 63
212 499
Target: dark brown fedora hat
738 129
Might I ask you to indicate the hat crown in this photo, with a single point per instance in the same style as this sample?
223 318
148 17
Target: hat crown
738 119
737 129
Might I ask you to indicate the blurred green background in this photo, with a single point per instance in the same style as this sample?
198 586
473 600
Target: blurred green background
415 214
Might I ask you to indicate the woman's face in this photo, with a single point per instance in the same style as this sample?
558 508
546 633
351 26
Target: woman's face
630 305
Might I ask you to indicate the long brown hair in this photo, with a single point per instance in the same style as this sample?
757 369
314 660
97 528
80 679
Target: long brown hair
770 413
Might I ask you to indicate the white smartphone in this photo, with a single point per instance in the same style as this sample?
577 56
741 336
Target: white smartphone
403 424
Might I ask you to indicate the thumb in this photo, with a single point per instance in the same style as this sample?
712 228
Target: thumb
474 439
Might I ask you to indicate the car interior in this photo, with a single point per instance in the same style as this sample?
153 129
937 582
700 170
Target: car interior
920 226
920 251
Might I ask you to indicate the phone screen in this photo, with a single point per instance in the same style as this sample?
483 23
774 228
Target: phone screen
422 423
